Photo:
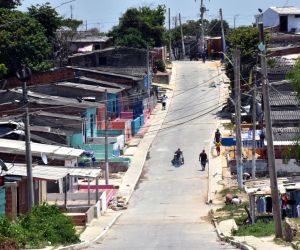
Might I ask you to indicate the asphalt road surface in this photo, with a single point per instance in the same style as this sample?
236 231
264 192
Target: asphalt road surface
168 210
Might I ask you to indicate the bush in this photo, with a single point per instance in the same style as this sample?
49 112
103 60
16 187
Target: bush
259 229
44 224
160 65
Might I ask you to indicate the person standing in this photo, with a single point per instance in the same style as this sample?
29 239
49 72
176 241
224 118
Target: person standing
164 102
203 159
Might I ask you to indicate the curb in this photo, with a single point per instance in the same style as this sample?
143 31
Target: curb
85 244
232 242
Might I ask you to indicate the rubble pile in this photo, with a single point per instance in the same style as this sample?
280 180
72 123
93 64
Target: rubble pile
118 203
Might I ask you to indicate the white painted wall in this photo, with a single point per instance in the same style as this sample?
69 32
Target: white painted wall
293 23
270 18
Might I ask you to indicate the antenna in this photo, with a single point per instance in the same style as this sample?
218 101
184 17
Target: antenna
44 158
71 7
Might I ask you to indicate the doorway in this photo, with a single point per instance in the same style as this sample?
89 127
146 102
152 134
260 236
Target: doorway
283 26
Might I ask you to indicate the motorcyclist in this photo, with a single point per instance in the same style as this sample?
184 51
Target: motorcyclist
179 155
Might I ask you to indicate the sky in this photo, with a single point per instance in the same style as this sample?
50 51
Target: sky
103 14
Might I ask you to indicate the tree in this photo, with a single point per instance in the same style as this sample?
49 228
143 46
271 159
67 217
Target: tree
47 17
140 27
247 39
22 42
214 27
9 4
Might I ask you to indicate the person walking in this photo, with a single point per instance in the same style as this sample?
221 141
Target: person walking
218 136
164 102
203 159
218 148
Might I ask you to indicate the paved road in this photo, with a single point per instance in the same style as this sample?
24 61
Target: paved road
168 210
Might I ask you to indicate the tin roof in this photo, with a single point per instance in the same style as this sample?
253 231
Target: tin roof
287 115
51 172
52 151
287 10
93 88
284 98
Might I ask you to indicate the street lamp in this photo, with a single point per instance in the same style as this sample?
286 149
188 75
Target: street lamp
24 74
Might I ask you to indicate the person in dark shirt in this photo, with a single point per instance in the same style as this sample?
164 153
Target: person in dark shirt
217 136
203 159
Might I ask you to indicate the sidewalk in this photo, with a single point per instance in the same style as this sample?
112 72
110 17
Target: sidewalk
216 183
98 227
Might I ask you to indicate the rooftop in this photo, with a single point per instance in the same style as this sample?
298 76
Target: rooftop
51 172
94 88
284 98
286 10
52 151
91 39
289 115
288 134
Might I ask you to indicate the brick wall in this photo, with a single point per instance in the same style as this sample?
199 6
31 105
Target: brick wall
41 78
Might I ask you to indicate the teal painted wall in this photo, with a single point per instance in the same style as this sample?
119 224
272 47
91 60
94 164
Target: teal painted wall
2 201
135 125
91 127
101 133
99 150
76 140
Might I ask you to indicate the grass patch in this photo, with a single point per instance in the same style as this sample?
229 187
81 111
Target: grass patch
259 229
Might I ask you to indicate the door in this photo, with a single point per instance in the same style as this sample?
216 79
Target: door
283 24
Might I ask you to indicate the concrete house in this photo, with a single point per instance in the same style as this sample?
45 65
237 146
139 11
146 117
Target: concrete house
284 19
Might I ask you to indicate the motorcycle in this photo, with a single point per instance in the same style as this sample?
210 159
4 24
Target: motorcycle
177 160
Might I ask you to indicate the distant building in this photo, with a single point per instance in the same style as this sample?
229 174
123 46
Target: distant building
86 42
282 19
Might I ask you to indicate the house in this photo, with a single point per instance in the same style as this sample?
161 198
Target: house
86 41
283 19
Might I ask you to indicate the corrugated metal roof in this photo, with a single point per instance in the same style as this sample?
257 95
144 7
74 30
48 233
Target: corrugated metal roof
81 86
51 172
290 134
293 115
284 98
52 151
288 10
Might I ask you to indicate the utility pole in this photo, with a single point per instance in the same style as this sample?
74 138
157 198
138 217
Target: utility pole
269 137
106 141
234 19
148 77
182 39
86 25
223 33
202 10
170 47
71 7
24 74
237 87
254 127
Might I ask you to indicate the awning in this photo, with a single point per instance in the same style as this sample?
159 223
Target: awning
51 172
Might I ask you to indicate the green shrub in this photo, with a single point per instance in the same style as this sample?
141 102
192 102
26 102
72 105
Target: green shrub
43 225
259 229
160 65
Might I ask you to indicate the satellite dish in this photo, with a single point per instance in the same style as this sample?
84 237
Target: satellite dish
44 158
3 166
